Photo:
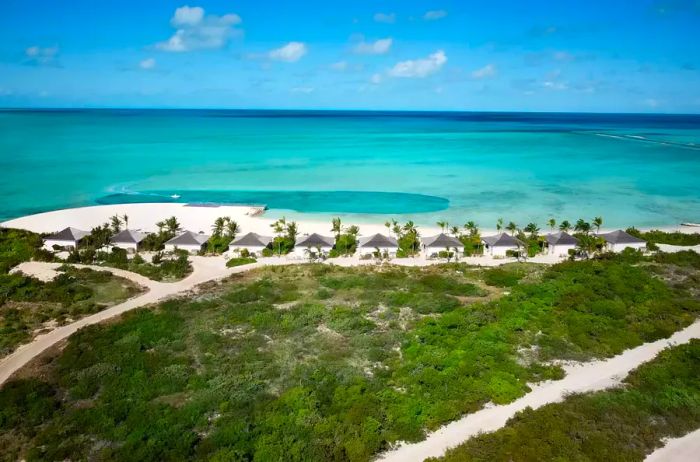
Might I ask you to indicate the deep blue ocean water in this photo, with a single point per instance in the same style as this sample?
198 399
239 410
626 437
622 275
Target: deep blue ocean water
631 169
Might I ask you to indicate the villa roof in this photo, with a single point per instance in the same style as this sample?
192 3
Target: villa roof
378 241
252 240
128 236
189 238
316 240
502 240
442 240
621 237
68 234
561 238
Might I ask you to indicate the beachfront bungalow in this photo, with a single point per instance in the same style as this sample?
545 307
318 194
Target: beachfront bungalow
619 240
378 242
433 245
252 242
67 238
560 244
128 240
313 243
189 241
498 245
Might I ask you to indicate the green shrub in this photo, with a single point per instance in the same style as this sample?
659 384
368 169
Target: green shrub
240 261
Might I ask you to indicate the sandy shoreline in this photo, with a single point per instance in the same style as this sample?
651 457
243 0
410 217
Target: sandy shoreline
200 218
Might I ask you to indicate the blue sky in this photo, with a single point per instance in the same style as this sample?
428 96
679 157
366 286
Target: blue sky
611 56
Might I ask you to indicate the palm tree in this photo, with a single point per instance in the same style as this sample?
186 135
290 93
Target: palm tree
582 226
292 231
512 227
353 230
598 222
472 228
499 224
410 229
278 227
172 225
232 229
565 226
160 225
552 224
393 226
455 231
443 225
116 224
218 227
532 229
125 219
587 244
337 227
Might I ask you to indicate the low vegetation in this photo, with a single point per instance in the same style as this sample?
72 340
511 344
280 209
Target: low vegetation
317 362
240 261
660 399
663 237
28 305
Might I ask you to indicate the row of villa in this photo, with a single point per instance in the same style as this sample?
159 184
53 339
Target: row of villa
499 245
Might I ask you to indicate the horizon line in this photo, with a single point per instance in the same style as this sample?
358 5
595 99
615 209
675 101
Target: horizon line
426 111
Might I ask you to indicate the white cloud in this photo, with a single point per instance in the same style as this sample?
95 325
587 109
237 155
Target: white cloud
434 15
291 52
378 47
419 67
485 72
148 63
389 18
376 79
196 31
41 56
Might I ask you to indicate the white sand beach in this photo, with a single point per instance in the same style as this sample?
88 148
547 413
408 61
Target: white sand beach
200 218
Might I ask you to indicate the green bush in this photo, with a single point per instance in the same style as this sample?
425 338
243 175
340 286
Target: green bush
240 261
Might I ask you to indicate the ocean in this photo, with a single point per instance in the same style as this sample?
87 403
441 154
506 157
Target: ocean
641 170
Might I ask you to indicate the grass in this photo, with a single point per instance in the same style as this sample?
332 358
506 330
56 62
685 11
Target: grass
240 261
318 362
658 400
28 305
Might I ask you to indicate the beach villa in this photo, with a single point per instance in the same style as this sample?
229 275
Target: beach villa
189 241
560 243
68 238
498 245
433 245
128 240
252 242
619 240
378 242
313 243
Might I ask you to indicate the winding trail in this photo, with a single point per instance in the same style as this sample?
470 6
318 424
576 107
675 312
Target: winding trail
580 378
204 269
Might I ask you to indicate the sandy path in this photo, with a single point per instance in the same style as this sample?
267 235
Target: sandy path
205 269
683 449
585 377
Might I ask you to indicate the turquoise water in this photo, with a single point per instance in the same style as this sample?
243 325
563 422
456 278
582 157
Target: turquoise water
631 169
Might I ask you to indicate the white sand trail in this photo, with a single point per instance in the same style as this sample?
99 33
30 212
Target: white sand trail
683 449
204 269
580 378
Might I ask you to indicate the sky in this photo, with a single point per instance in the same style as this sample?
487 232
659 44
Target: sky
498 55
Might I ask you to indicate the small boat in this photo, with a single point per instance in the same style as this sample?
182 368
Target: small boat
175 196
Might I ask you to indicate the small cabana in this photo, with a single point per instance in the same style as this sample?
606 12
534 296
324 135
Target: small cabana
433 245
252 242
560 243
369 245
500 244
619 240
128 240
189 241
313 243
66 238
